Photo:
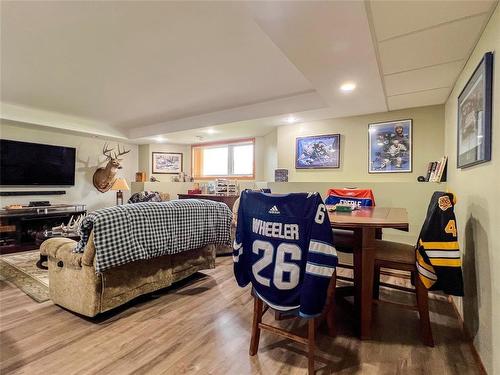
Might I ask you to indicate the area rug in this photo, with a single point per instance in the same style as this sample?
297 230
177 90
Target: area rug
21 270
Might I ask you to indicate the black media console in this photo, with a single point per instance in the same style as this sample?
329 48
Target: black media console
19 227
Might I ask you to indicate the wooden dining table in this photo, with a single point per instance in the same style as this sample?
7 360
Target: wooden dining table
365 222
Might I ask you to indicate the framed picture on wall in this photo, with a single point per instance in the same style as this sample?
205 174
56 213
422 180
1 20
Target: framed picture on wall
390 147
474 116
316 152
167 162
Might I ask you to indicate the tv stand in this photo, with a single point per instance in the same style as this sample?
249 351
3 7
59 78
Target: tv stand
19 227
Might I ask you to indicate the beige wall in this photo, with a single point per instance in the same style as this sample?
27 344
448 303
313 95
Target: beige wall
259 158
270 162
88 158
428 139
478 214
145 158
144 161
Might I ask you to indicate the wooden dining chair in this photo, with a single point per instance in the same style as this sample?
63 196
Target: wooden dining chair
402 257
344 239
259 308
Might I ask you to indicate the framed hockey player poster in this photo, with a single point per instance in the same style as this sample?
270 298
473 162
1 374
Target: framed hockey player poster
474 116
316 152
390 147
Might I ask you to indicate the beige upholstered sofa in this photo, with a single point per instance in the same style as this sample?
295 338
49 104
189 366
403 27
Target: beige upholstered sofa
74 284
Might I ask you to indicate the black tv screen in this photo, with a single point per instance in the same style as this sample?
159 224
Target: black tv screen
23 163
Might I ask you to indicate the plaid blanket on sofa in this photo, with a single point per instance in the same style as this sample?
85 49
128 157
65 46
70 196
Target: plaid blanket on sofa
130 232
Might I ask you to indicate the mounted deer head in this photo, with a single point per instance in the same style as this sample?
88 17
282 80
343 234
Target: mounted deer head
105 177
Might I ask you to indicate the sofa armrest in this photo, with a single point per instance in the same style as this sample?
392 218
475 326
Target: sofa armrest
61 249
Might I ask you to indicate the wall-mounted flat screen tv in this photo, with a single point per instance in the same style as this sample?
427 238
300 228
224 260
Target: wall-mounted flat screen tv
23 163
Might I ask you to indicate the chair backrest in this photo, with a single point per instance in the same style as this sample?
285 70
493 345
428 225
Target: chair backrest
236 204
269 253
235 209
438 252
357 197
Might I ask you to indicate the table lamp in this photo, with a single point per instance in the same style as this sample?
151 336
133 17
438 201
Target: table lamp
119 185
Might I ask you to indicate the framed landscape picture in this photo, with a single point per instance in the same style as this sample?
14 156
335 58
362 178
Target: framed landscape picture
474 116
167 162
321 151
390 147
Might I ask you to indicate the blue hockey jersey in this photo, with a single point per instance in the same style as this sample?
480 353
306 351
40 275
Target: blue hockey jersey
284 247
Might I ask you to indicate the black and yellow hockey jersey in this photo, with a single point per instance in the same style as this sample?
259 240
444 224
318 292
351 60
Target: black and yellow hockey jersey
438 254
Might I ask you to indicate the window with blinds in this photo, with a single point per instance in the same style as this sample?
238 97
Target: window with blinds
224 159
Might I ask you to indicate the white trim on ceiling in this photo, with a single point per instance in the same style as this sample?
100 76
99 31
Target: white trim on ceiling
17 113
296 103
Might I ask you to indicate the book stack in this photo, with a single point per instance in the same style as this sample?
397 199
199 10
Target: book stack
232 187
226 187
436 171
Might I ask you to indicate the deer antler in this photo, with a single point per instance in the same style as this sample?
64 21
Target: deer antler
120 153
107 151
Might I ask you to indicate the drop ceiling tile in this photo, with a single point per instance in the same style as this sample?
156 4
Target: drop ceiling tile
392 18
418 99
433 77
449 42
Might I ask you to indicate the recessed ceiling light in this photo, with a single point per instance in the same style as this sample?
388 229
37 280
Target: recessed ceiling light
211 131
291 120
348 87
160 139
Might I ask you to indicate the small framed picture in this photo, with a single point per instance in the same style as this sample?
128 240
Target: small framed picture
321 151
474 116
167 162
390 147
281 175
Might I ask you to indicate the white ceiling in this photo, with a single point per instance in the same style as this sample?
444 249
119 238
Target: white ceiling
146 68
423 46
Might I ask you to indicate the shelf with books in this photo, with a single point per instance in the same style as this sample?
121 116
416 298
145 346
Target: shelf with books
437 170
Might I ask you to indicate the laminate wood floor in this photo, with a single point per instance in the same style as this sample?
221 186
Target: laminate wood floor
202 326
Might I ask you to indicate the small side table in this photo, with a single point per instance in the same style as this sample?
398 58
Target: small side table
43 236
